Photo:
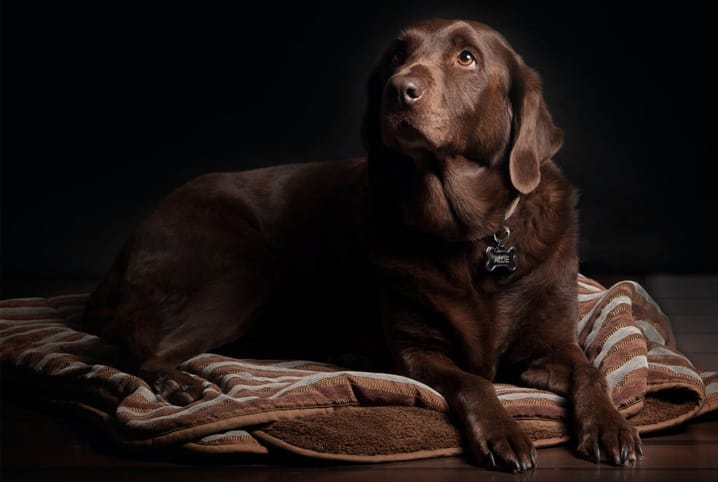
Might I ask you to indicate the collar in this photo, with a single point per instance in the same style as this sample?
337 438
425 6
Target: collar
511 208
500 256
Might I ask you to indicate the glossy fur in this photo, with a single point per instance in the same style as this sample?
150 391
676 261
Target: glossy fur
379 263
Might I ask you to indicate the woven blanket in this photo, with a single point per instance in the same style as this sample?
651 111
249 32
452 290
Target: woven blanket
323 411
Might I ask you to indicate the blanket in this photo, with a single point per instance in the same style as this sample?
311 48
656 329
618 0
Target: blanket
321 411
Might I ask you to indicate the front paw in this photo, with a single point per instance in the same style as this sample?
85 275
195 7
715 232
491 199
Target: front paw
608 437
500 443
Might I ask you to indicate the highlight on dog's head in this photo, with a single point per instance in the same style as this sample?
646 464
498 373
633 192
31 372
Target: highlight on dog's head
448 88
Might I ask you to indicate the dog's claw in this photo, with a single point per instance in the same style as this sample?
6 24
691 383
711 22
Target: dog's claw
625 455
639 449
516 466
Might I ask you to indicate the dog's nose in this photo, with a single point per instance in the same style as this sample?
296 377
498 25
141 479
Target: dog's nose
408 90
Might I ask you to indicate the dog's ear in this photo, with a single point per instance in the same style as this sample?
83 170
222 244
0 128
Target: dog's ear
535 138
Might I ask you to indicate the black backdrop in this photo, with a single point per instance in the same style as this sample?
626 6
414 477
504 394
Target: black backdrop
107 106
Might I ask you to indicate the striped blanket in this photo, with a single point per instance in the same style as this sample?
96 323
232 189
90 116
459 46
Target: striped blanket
323 411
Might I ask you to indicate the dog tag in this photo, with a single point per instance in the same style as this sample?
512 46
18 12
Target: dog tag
499 257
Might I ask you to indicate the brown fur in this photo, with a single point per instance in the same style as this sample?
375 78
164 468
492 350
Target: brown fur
360 262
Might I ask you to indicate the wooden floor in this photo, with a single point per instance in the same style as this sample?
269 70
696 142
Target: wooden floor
38 444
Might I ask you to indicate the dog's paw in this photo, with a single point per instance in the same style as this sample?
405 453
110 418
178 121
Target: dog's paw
500 443
608 437
178 388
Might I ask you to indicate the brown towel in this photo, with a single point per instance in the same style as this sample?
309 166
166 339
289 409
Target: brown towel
322 411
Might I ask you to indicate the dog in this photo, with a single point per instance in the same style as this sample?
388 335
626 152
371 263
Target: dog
448 255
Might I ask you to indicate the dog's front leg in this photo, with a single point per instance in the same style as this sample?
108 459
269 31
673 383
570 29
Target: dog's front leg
602 432
432 337
494 437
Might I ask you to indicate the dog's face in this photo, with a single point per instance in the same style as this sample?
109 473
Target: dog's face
456 99
447 92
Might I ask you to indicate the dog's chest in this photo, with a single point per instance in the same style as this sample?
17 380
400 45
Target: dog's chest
490 324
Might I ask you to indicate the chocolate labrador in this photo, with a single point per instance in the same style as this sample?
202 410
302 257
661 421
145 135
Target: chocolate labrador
450 252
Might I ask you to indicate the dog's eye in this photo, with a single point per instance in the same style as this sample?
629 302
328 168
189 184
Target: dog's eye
465 58
398 56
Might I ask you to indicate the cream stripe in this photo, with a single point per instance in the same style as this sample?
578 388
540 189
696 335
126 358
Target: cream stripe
149 397
377 376
605 311
27 310
612 340
501 388
662 350
650 332
220 436
52 346
543 395
74 366
50 321
207 371
248 376
583 321
35 330
296 363
56 337
590 296
238 388
189 410
678 369
635 363
95 370
711 388
644 294
590 287
118 378
47 359
146 393
27 299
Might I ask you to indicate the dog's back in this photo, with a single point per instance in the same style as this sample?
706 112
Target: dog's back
274 259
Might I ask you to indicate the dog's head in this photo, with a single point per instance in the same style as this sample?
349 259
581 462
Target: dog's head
455 99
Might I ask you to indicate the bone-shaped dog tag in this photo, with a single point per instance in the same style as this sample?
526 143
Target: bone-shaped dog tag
500 258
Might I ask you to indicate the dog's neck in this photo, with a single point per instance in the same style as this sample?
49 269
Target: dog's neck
451 197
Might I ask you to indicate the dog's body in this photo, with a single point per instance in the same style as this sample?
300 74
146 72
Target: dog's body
387 258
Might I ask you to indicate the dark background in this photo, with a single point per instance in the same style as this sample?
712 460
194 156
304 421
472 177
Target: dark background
107 106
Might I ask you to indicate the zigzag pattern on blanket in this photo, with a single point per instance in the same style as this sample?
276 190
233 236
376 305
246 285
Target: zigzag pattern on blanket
622 330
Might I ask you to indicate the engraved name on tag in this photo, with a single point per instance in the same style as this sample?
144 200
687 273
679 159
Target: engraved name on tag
500 258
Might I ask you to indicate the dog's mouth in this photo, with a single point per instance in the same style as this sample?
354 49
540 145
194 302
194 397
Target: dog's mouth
400 132
406 132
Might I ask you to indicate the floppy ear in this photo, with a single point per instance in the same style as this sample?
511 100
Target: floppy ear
536 139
